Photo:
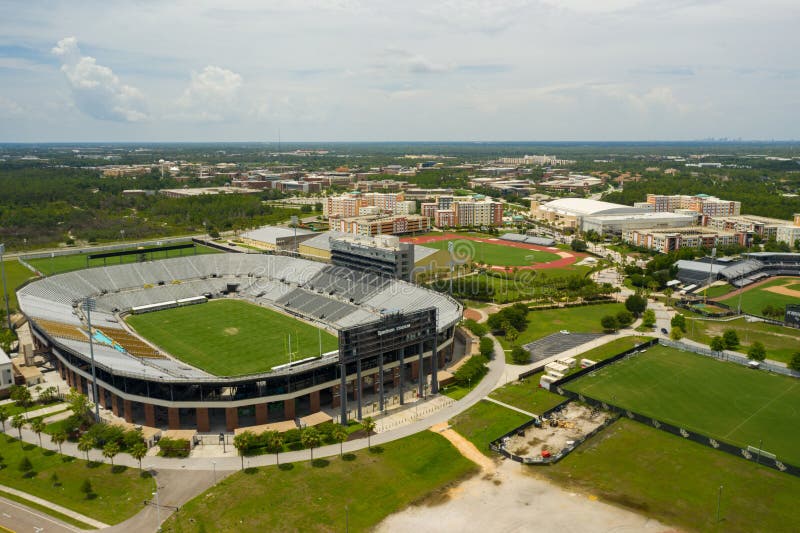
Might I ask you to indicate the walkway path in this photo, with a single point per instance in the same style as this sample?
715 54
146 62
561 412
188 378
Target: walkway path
464 447
50 505
517 409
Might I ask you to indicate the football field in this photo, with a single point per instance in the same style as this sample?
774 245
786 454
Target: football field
722 400
231 337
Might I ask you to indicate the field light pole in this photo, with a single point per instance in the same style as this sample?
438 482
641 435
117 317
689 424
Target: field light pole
719 499
158 509
5 290
88 303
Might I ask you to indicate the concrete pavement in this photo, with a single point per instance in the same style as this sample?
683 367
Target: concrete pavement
16 517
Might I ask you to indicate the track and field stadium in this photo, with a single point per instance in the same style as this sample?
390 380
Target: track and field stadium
235 340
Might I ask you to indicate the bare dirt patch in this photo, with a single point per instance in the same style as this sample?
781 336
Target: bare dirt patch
784 290
231 331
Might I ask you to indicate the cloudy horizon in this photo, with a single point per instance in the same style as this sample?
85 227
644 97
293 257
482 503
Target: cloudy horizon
351 70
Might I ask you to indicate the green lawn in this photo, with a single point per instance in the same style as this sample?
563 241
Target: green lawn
67 263
16 275
716 291
494 254
677 481
756 299
583 319
302 497
527 395
119 494
721 400
486 421
779 341
231 337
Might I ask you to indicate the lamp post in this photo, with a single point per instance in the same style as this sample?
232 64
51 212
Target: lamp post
88 304
214 466
719 499
5 290
158 509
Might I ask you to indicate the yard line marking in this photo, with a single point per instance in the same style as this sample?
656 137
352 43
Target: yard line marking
793 385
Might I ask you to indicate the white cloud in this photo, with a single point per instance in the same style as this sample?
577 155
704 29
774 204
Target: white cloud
212 95
98 92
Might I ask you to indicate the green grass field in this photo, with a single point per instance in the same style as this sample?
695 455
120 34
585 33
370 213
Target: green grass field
16 275
527 395
230 337
495 254
721 400
779 341
677 481
584 319
756 299
119 494
485 421
302 497
67 263
716 291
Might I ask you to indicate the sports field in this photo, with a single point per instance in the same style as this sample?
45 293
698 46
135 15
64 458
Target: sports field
231 337
781 342
722 400
776 292
494 254
68 263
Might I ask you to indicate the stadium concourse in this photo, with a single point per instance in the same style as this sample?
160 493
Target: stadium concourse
145 386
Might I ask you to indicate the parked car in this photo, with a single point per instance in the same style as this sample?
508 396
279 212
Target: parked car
664 331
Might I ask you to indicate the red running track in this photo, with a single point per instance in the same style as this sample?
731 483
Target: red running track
568 259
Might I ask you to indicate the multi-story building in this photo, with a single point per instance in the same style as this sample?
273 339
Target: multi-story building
349 204
381 224
6 373
700 203
766 228
456 211
384 255
673 239
790 234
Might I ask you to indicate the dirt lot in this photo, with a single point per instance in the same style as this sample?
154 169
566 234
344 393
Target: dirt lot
575 421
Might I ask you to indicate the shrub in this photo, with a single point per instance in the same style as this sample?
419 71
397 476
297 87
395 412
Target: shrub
678 321
609 323
624 318
520 356
757 352
486 347
291 436
173 447
476 328
731 339
471 371
794 364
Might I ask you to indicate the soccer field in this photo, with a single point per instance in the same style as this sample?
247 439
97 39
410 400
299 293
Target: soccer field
722 400
231 337
494 254
754 300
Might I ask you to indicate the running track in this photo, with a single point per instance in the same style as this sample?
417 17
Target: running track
567 258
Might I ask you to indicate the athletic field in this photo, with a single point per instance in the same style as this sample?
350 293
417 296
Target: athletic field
231 337
776 292
722 400
493 254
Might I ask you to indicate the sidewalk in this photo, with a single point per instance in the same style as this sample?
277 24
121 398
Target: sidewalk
50 505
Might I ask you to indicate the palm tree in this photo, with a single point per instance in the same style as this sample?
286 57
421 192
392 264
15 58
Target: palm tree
138 451
369 425
86 443
310 439
110 450
275 443
38 427
242 442
339 434
17 422
58 438
3 416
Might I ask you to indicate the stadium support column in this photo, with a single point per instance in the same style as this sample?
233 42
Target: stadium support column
380 383
173 418
402 369
343 394
421 370
203 422
149 415
127 410
434 368
359 387
231 418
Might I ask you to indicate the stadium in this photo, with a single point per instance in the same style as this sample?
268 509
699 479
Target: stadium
386 333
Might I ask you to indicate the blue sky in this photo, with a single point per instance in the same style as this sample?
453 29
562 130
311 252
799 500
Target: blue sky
351 70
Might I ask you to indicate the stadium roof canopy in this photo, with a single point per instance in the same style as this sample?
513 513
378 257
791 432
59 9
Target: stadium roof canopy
586 207
271 234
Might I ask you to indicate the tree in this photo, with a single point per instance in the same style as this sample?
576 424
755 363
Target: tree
676 334
609 323
624 318
369 426
512 333
520 356
649 318
79 404
310 439
25 464
339 434
110 450
794 363
242 442
678 321
38 426
4 416
578 245
636 304
21 395
486 347
731 339
17 423
86 488
668 292
59 437
138 451
275 444
757 352
717 344
86 443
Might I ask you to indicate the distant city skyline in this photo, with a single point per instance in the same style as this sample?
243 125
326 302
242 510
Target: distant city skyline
351 70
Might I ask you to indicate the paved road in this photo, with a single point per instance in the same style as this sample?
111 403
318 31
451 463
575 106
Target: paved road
19 518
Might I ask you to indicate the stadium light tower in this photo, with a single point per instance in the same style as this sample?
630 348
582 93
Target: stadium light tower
88 304
5 290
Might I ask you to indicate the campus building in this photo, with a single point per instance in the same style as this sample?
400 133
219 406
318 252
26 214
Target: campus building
384 255
463 211
700 203
372 225
666 241
276 238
